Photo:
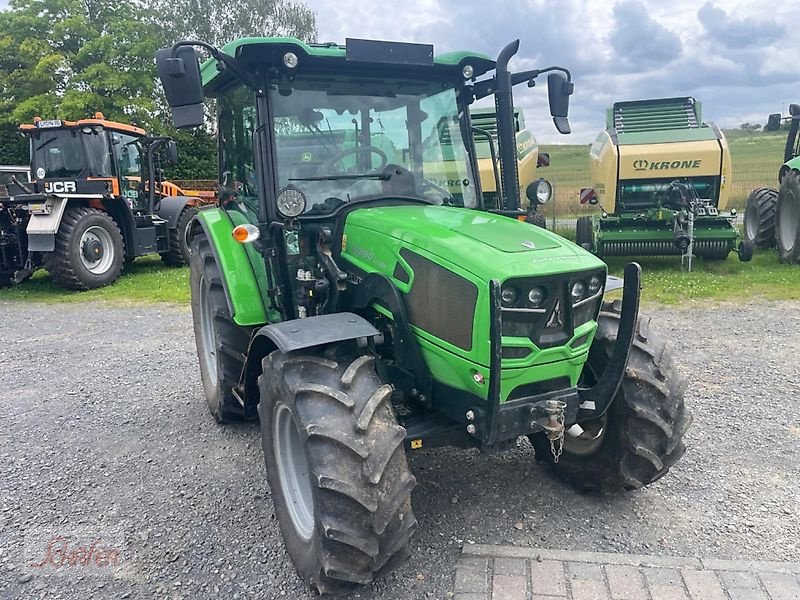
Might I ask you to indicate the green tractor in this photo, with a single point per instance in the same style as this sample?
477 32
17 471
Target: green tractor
772 217
362 310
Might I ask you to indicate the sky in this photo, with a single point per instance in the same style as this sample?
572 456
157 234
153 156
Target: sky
739 58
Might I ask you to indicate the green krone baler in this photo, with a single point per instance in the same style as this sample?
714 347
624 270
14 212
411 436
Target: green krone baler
362 310
661 178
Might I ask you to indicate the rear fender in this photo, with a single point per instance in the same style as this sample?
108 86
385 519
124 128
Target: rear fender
238 278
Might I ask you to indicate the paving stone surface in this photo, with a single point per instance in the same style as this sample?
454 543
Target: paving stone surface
510 573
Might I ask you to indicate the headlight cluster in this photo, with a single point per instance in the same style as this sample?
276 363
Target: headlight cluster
532 297
580 290
585 298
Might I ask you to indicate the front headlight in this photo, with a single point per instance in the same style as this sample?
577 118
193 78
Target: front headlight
291 202
508 296
594 285
536 297
577 291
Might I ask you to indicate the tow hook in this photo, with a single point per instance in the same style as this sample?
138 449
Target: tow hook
555 426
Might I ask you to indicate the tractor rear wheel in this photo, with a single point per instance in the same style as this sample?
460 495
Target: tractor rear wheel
221 343
787 219
641 435
759 217
336 468
583 233
179 251
88 252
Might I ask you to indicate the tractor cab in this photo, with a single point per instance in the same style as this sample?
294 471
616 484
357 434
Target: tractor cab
97 156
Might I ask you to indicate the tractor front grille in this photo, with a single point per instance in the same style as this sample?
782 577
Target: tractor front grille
553 322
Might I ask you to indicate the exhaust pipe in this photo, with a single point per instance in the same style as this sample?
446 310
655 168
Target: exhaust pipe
504 108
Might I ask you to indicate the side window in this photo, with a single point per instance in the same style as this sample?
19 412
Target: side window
237 122
129 168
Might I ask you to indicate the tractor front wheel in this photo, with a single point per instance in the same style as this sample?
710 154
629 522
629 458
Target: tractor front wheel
759 217
221 343
787 219
336 468
179 251
88 252
641 435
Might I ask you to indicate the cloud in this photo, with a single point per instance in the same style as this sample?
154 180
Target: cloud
738 33
639 41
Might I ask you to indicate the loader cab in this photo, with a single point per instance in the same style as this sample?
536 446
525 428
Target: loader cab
96 156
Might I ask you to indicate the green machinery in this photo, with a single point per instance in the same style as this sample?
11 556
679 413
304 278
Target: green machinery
363 309
661 177
772 217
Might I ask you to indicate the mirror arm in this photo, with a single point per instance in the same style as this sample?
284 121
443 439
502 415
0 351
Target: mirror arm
224 61
484 88
530 76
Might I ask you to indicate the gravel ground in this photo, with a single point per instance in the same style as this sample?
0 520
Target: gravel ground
106 433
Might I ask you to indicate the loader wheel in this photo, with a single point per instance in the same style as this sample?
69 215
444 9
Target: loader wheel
641 435
179 251
336 468
583 232
787 219
88 252
221 343
759 217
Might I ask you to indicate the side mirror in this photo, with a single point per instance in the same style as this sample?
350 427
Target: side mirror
183 87
794 110
558 92
543 160
172 153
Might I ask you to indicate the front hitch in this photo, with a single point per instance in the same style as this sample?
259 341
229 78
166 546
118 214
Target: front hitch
594 401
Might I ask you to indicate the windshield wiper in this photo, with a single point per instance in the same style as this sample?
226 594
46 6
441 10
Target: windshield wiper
379 176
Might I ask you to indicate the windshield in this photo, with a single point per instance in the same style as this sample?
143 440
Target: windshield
70 153
339 141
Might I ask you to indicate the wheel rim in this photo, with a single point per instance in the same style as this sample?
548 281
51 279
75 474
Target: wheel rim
790 221
594 432
97 250
293 471
209 350
751 222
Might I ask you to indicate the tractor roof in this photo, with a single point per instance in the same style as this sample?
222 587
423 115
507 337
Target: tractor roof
98 119
658 120
271 50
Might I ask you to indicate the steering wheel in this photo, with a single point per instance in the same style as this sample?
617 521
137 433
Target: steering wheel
326 165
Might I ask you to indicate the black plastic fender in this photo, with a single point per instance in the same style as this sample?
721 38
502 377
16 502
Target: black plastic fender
299 334
171 207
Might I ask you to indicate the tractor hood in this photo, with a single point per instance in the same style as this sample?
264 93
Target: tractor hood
487 245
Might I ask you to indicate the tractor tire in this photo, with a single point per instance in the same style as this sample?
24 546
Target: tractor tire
641 435
88 252
336 468
179 251
584 230
221 343
787 219
759 217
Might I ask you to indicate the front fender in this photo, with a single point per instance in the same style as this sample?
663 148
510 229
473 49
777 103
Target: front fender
238 275
171 207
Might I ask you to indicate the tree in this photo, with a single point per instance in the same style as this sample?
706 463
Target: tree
70 58
220 21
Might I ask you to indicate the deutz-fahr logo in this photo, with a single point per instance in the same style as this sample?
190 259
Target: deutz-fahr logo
642 164
59 187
